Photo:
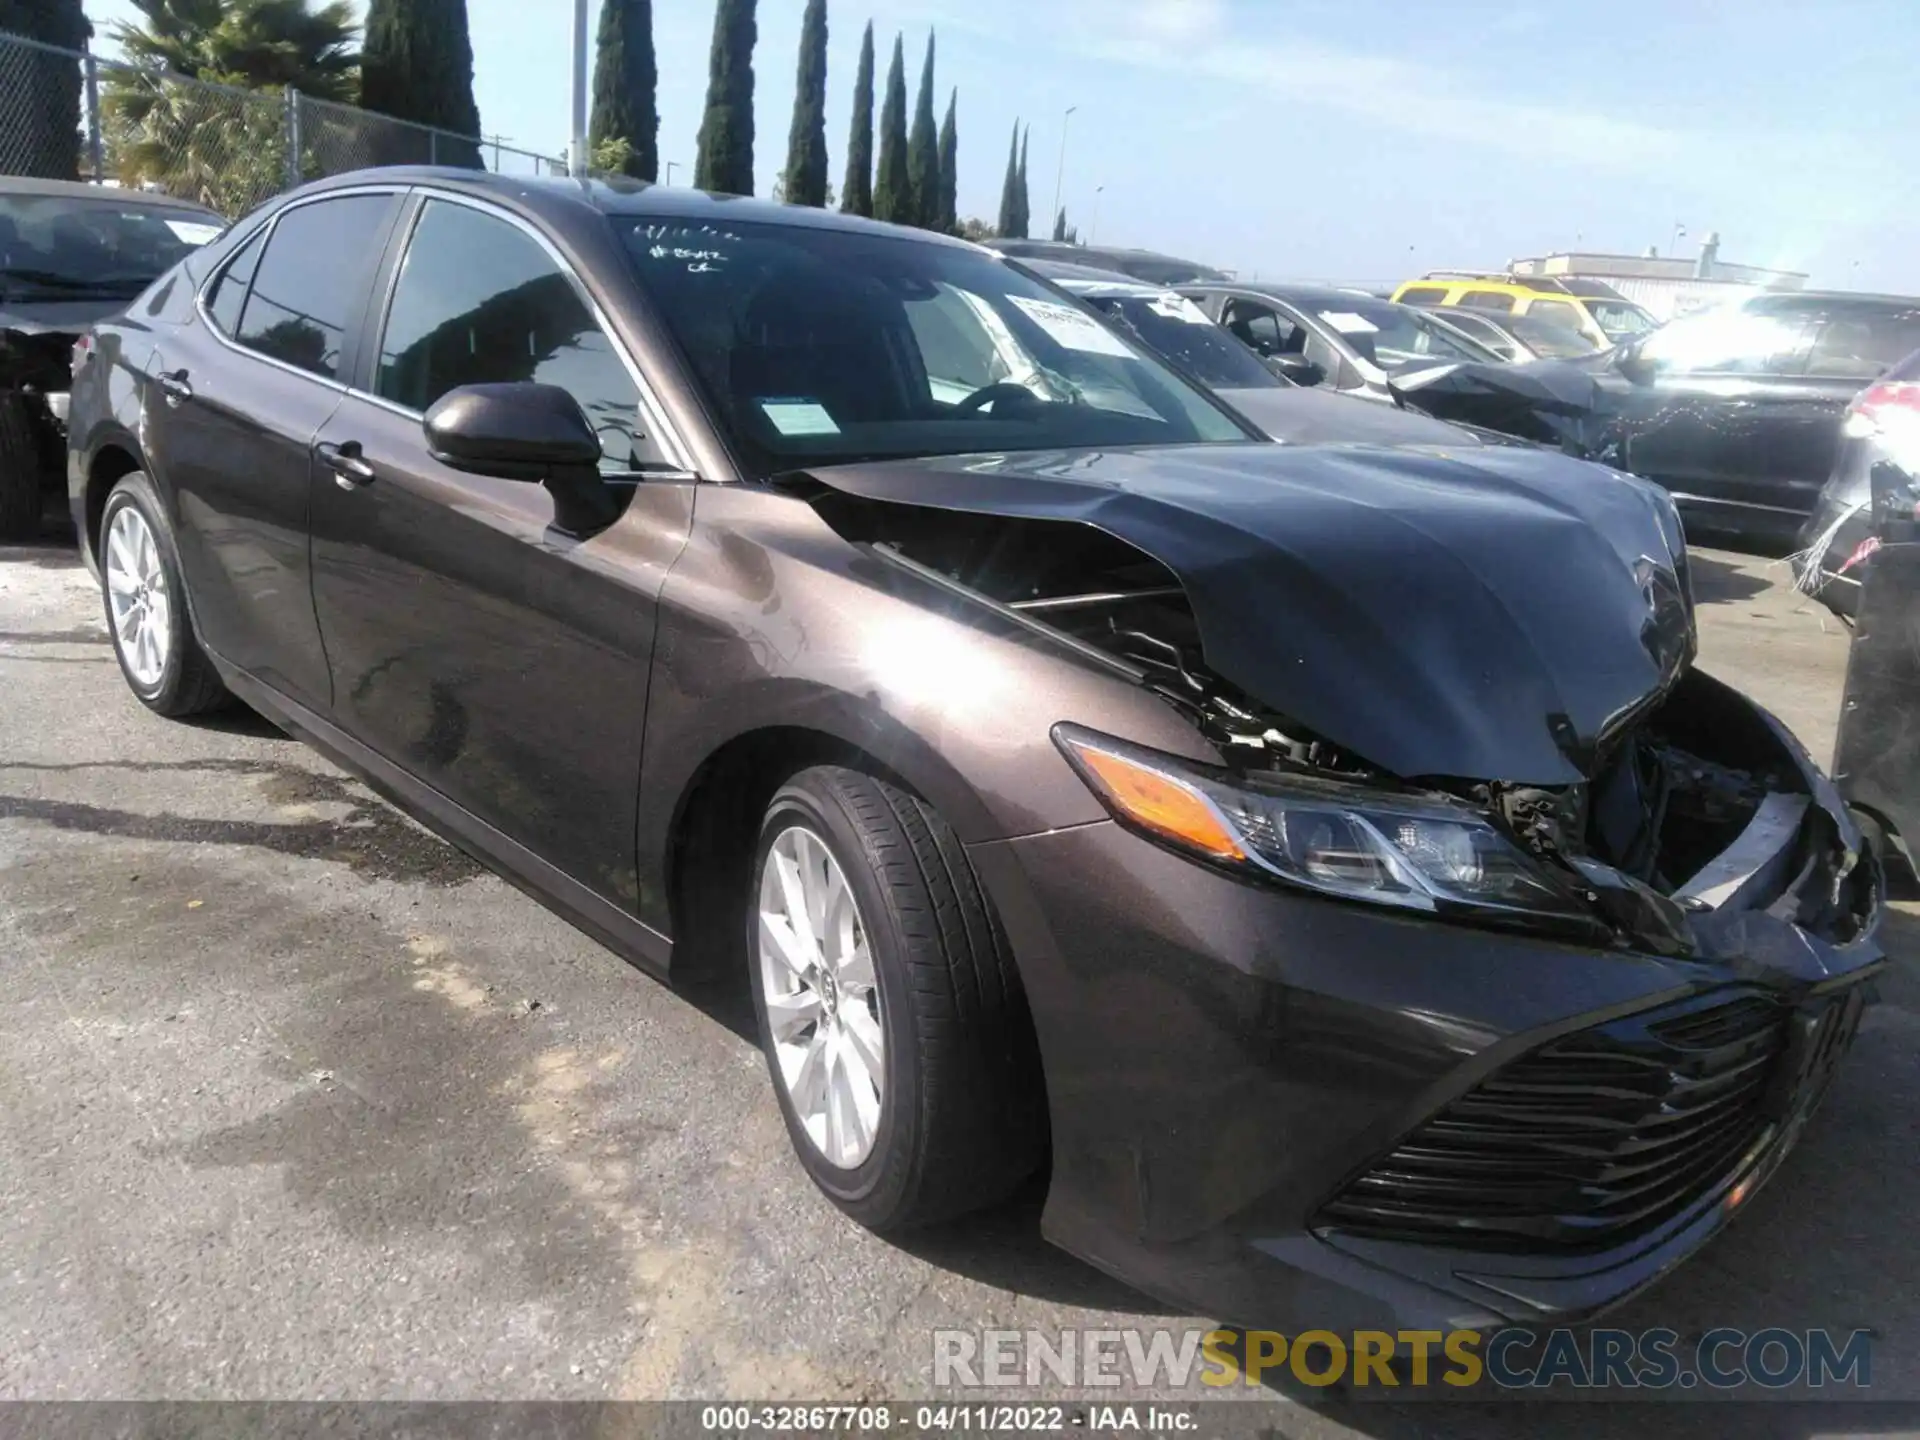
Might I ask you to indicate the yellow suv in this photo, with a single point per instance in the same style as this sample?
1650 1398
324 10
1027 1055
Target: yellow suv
1592 307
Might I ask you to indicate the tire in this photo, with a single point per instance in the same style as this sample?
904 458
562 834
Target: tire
172 675
22 469
961 1113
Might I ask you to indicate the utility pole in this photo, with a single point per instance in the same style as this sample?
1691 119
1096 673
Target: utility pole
1060 175
577 146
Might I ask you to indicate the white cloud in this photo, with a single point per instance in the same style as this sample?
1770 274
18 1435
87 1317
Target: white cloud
1399 94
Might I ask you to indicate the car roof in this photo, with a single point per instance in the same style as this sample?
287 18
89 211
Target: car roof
621 196
1788 299
1280 290
82 190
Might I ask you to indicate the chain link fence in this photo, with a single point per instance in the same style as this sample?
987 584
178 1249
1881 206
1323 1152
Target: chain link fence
70 115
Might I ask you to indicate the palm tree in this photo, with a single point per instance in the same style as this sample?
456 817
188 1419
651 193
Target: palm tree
254 44
214 142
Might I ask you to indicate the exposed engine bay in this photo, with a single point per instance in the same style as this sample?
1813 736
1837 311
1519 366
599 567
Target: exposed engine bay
1697 780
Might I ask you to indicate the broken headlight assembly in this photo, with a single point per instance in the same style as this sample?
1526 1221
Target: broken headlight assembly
1411 852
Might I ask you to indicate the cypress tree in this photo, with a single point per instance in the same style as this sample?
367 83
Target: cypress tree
418 65
1024 207
806 178
1009 223
856 196
724 161
893 187
1060 231
43 120
947 217
923 152
625 81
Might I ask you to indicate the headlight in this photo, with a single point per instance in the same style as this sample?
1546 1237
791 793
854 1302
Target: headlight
1409 852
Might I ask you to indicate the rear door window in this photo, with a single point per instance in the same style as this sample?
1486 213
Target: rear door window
1497 301
310 288
1732 341
1424 295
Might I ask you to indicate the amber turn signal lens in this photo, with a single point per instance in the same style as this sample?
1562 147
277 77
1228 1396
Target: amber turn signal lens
1158 802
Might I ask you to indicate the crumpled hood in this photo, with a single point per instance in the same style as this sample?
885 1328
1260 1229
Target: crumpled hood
1549 401
1484 613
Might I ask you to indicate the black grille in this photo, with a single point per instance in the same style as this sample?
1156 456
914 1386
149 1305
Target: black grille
1606 1133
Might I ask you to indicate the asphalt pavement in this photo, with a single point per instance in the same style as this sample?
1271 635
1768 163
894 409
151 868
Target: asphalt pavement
296 1101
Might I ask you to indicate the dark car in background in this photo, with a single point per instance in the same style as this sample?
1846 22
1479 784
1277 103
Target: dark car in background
69 255
1518 338
1146 265
1180 332
1326 863
1739 411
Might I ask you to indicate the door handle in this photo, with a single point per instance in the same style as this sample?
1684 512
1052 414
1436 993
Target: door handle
350 472
173 384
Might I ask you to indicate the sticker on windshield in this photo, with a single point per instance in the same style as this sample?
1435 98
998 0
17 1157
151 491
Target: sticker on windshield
1178 307
1348 323
1072 328
799 417
192 232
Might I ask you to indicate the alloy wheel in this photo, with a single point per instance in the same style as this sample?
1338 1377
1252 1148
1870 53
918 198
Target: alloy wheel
816 976
137 596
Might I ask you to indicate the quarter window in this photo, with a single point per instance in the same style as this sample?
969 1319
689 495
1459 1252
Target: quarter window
1424 295
308 288
479 301
230 290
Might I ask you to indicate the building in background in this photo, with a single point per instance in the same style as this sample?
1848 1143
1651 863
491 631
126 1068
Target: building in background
1666 285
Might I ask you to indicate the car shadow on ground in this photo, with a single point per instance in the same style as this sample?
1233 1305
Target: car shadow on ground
1717 582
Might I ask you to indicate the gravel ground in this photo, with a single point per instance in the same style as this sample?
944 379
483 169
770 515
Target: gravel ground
295 1101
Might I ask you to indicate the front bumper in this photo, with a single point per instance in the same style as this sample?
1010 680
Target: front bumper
1224 1061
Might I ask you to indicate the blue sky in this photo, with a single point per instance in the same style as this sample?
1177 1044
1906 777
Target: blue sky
1359 140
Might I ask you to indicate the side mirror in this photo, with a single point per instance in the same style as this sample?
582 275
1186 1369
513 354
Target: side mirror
1894 513
1297 368
525 431
1633 363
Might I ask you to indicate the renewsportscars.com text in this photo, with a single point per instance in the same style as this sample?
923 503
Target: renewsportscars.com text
1509 1359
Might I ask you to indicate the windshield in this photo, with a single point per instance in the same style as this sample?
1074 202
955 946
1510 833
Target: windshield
1395 337
823 346
113 246
1178 331
1620 319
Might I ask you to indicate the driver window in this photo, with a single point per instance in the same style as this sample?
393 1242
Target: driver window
479 301
1729 342
1262 330
959 351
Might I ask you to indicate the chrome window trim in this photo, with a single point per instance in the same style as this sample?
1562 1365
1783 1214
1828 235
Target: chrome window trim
662 428
265 232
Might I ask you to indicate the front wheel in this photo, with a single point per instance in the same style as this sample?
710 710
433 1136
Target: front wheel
892 1017
160 657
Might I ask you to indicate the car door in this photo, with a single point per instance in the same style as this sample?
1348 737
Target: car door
1725 415
472 644
237 400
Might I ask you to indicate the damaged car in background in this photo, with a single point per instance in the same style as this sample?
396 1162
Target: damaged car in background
1325 862
70 254
1403 356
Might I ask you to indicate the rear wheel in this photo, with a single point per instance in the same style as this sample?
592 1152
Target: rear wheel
22 469
892 1017
146 604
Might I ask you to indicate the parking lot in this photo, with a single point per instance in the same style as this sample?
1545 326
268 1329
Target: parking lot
295 1100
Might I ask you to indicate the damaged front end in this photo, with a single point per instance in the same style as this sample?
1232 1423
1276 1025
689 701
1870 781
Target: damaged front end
1610 795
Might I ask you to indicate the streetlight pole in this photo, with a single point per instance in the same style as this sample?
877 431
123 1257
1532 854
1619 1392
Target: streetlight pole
577 133
1060 176
670 165
1093 230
